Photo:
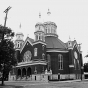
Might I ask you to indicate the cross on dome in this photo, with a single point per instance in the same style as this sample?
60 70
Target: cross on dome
48 12
20 26
39 15
69 38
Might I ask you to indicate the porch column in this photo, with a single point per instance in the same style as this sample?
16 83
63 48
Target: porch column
26 73
21 73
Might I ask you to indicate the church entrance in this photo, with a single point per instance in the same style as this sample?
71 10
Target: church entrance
23 72
19 72
28 71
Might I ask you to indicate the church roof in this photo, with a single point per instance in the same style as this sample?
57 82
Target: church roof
32 40
54 42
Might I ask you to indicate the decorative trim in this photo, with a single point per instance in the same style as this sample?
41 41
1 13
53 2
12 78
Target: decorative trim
39 42
85 73
70 48
17 49
71 66
31 63
48 34
56 51
27 40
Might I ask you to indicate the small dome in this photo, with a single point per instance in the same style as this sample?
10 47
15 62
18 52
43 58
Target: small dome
19 36
39 27
19 33
39 24
50 28
50 23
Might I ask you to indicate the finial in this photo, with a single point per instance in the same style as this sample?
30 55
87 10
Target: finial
27 35
20 26
48 12
74 38
69 38
39 15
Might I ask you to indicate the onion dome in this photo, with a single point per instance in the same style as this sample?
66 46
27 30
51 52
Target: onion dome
39 32
50 27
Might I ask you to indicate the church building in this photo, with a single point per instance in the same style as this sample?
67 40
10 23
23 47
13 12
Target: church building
46 56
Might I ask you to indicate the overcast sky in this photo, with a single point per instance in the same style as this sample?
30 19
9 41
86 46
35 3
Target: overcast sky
70 16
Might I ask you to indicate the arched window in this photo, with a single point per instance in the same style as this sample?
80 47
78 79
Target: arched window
49 61
39 37
43 56
60 62
35 51
78 64
18 45
27 56
46 29
36 37
43 47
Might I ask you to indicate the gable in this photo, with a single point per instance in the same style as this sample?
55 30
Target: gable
29 40
27 48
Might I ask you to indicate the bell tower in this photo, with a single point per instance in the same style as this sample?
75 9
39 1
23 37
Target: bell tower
39 44
19 41
18 44
39 32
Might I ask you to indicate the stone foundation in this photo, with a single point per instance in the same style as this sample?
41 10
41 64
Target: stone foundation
12 78
46 77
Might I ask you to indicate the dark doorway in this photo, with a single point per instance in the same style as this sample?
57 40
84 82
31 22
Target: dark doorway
23 72
19 72
29 71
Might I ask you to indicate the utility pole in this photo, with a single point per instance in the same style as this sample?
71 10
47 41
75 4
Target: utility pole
6 11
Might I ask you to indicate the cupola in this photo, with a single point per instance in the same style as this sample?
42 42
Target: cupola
69 43
39 31
19 40
50 28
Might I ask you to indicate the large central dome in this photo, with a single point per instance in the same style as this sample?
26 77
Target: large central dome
50 29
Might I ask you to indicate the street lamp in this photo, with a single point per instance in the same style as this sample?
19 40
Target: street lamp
6 11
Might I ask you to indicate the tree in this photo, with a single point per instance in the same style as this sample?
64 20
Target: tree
7 51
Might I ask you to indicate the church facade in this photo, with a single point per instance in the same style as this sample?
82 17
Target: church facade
46 56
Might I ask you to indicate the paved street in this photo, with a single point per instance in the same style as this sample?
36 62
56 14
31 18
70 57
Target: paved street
67 84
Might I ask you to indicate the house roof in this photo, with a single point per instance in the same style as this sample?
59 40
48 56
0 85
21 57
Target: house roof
54 42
